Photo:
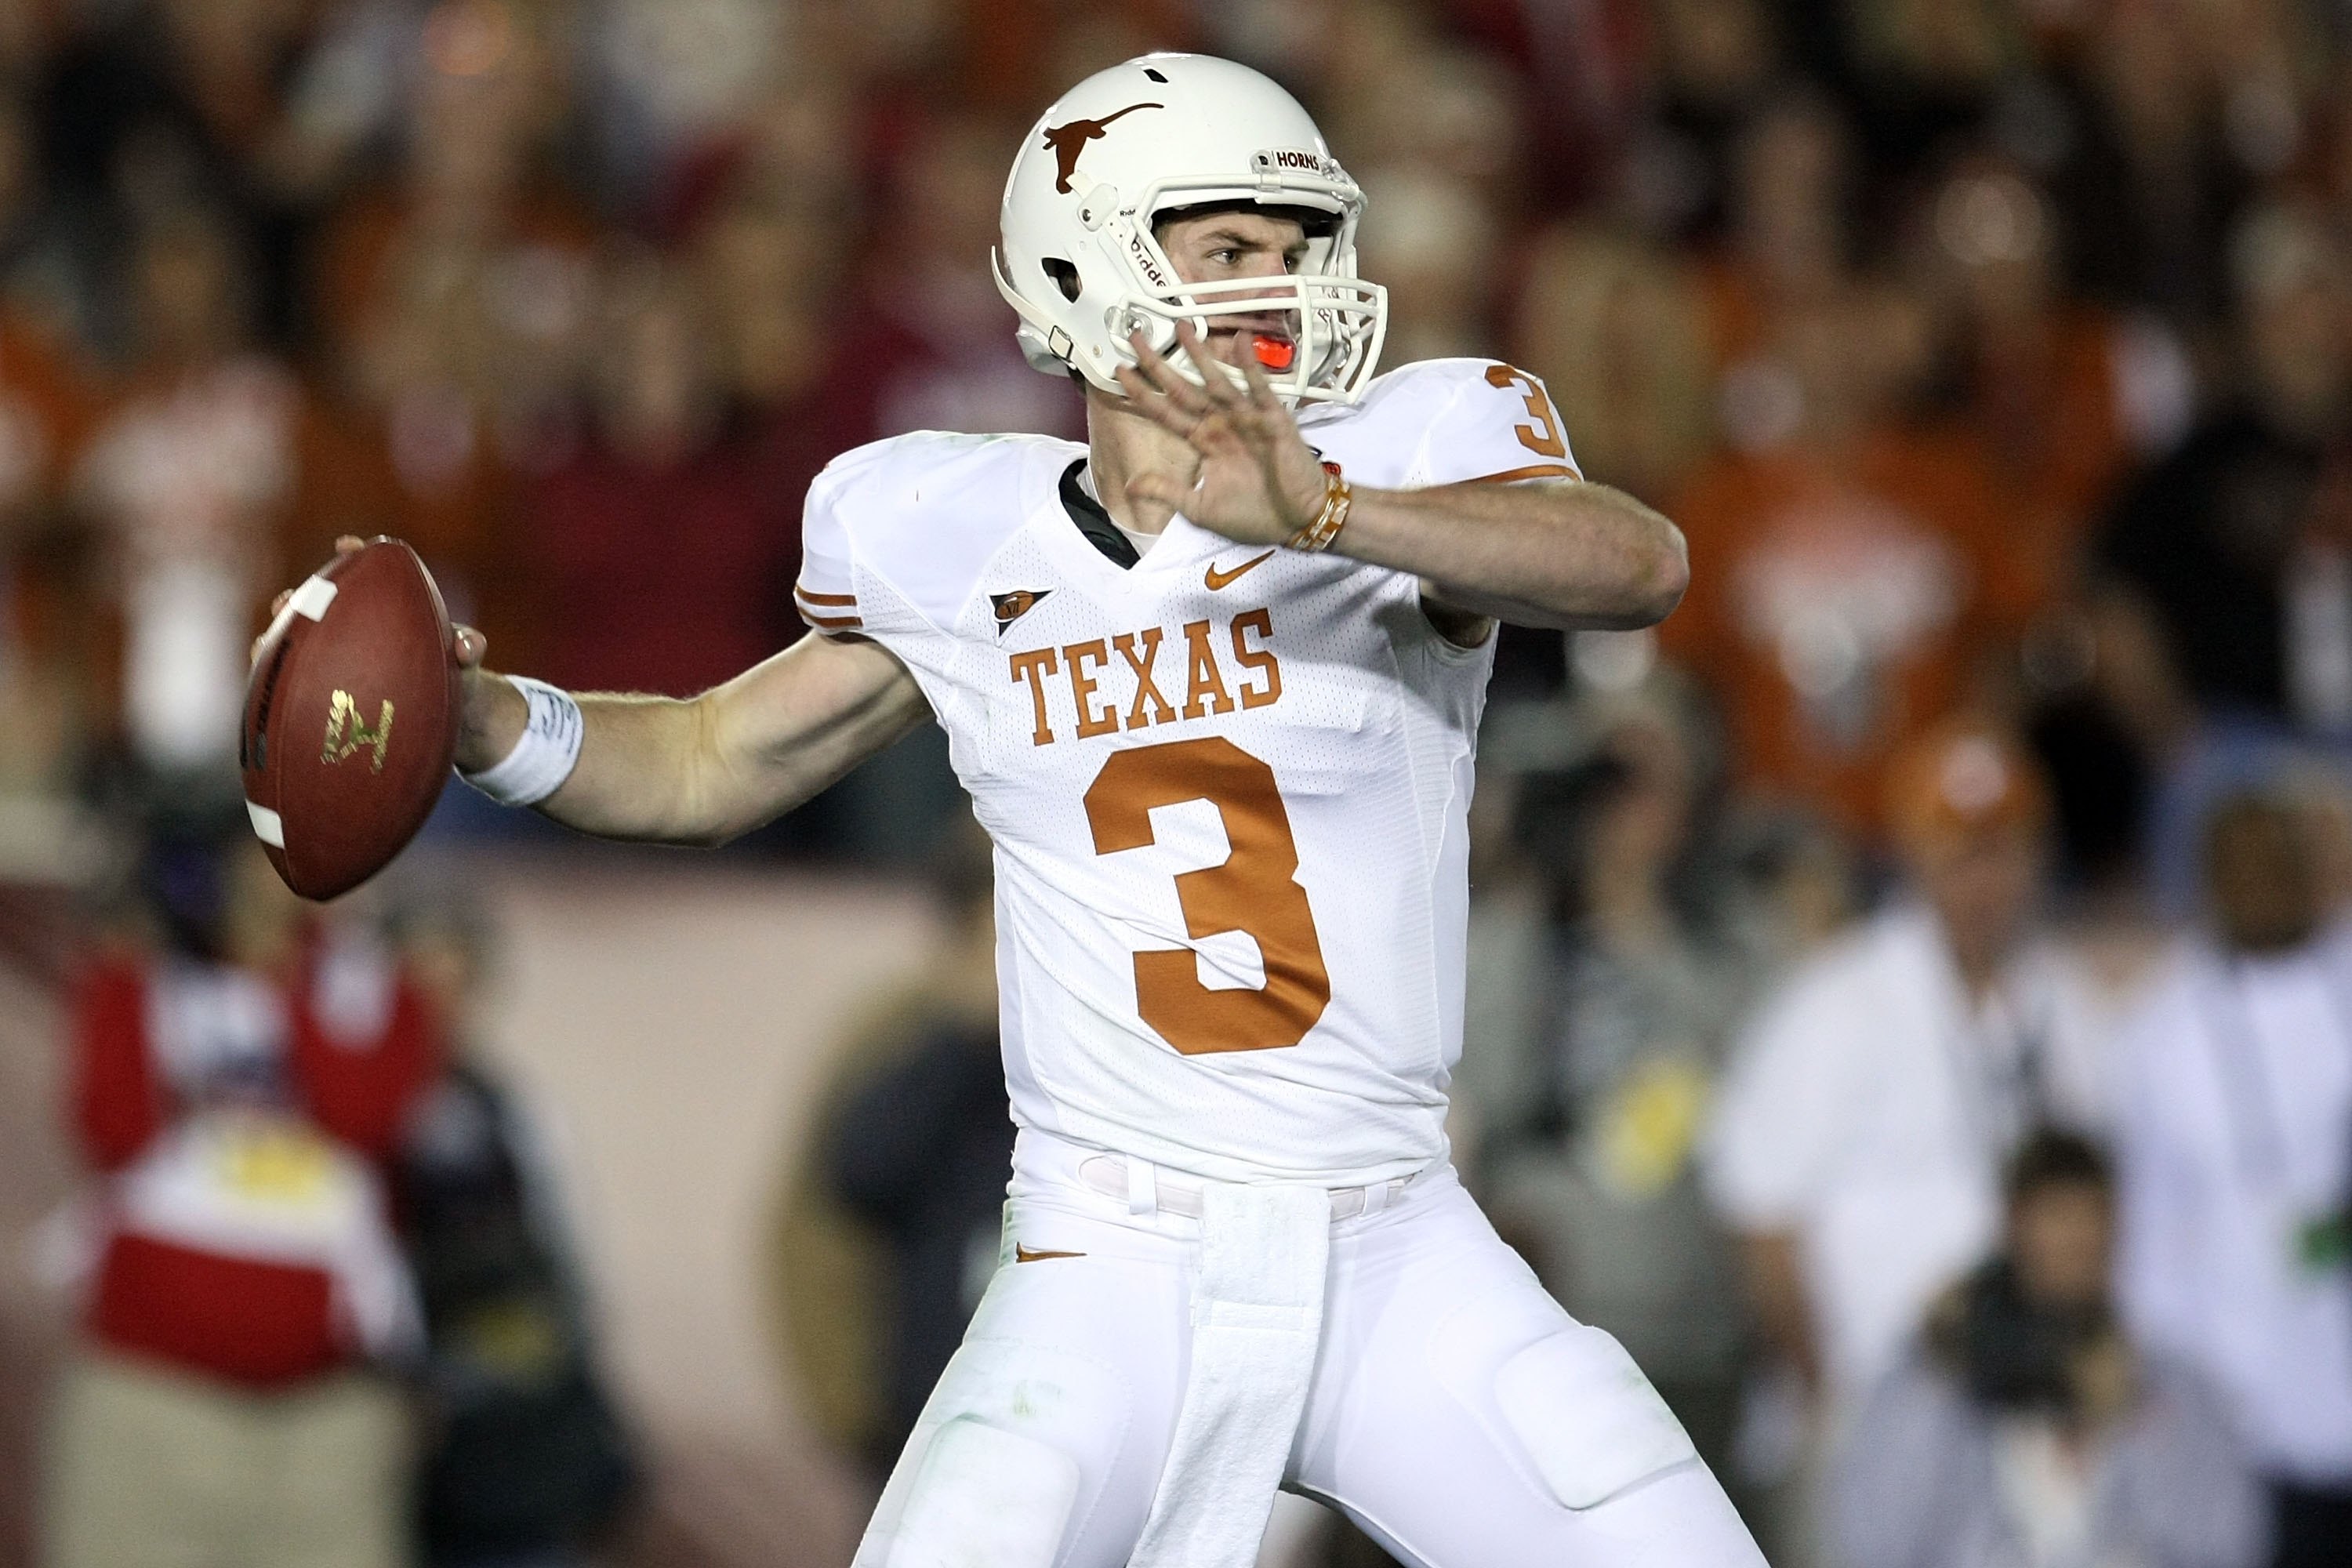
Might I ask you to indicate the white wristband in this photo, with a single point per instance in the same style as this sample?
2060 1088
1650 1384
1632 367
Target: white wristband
546 754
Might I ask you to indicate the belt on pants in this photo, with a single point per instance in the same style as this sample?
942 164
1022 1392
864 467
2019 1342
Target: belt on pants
1139 1184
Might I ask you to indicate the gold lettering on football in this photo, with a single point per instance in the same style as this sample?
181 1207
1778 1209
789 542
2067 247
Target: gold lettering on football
346 735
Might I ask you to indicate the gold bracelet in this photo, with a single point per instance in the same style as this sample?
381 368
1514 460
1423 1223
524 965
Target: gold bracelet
1337 497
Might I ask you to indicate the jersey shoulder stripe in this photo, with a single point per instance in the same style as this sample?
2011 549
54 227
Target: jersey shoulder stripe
924 512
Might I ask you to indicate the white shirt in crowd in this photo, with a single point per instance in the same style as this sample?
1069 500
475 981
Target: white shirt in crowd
1869 1107
2236 1141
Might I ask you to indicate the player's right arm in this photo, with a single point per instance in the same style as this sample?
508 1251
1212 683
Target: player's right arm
706 769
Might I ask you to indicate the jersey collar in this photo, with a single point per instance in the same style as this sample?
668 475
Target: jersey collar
1093 521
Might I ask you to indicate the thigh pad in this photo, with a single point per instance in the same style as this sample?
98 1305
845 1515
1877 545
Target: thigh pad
986 1498
1588 1419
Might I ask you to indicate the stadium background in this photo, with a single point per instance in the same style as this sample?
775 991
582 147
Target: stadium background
1893 304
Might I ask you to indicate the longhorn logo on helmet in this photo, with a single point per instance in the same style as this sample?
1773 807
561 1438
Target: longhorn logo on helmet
1068 141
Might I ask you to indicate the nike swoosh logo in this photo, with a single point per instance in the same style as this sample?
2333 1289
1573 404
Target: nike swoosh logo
1022 1254
1217 579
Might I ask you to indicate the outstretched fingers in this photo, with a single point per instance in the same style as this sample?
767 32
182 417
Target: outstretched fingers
1227 412
1216 382
1262 399
1153 404
1155 390
1164 378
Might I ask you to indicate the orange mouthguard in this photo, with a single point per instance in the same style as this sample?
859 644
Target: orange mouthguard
1274 353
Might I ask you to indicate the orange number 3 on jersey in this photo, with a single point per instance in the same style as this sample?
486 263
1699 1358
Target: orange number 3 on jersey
1252 892
1542 437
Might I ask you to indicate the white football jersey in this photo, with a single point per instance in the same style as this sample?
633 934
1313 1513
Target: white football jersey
1227 785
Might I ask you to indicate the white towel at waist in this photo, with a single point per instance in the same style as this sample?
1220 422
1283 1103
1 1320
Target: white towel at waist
1257 1318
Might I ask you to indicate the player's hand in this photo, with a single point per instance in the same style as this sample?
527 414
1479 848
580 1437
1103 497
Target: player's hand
1258 482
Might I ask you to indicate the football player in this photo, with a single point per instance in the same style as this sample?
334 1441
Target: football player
1213 680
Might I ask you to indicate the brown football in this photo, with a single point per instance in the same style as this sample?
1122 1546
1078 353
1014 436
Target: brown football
351 719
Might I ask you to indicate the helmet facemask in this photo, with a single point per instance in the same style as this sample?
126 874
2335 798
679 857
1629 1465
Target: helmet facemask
1336 320
1332 318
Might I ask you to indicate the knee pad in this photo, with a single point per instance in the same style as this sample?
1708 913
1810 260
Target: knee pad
984 1498
1587 1418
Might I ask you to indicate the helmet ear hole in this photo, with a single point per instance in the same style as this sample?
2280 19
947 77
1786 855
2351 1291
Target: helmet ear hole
1063 274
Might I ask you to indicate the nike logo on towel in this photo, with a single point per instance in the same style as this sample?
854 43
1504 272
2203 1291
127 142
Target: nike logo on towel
1217 579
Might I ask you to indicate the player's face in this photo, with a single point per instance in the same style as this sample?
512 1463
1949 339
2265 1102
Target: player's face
1218 246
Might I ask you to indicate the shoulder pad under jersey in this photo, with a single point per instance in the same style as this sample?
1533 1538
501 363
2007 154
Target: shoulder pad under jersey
1442 422
922 512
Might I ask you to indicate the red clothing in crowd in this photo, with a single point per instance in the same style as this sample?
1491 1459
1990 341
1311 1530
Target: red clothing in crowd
194 1266
667 580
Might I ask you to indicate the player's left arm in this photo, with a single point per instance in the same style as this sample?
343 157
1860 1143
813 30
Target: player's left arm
1558 551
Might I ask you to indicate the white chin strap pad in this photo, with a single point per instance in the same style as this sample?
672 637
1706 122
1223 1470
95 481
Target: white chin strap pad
1589 1420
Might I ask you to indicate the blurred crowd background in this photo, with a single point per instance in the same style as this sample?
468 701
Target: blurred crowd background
1911 991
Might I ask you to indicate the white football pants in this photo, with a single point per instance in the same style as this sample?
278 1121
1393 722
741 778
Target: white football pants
1456 1414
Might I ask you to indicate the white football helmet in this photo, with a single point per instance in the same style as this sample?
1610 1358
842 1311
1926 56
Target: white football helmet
1128 145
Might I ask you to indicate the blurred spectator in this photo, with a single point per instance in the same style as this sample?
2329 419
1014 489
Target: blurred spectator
1852 574
1789 243
1392 89
2026 1429
1618 329
47 261
150 106
630 604
2060 393
763 224
194 476
2237 1166
1853 570
2321 792
455 297
920 1154
45 712
1434 246
2222 598
1587 1146
2141 161
672 75
240 1074
1857 1142
768 261
892 1233
1926 69
1714 62
924 346
524 1461
2236 544
46 405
